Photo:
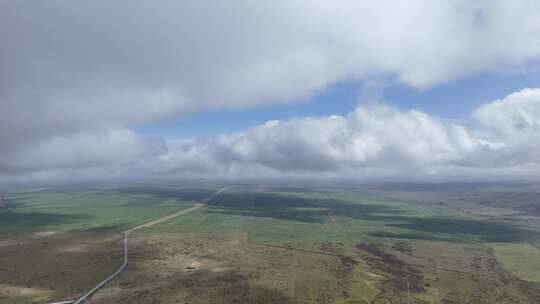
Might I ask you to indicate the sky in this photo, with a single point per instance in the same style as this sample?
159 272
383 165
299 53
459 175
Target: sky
355 89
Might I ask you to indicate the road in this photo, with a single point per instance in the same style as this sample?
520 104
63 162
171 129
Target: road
84 298
166 218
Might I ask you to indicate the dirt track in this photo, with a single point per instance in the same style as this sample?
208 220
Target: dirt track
127 232
165 218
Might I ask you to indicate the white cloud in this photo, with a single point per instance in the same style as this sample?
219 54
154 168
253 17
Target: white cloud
515 122
113 148
73 73
80 70
515 118
372 140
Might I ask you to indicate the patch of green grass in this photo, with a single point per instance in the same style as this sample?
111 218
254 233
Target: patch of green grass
363 286
520 259
77 211
285 217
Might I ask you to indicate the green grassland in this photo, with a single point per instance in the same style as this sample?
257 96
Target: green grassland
83 210
278 217
521 259
451 241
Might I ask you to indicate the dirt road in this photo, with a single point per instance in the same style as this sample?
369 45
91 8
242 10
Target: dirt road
165 218
84 298
181 212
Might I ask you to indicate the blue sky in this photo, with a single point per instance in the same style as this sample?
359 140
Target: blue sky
452 100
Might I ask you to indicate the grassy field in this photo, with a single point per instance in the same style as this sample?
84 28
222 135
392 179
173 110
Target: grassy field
521 259
278 217
349 243
76 210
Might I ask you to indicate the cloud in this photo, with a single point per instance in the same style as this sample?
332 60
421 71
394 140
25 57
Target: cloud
515 122
115 148
516 117
370 136
374 139
75 73
127 62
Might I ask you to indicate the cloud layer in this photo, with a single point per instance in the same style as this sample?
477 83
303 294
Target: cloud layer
374 140
501 139
75 76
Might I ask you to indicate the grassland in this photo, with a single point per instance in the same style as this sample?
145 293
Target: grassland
346 243
80 210
298 217
521 259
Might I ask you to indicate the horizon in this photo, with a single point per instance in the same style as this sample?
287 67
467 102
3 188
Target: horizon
270 152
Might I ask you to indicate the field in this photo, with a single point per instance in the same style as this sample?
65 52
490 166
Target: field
272 242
